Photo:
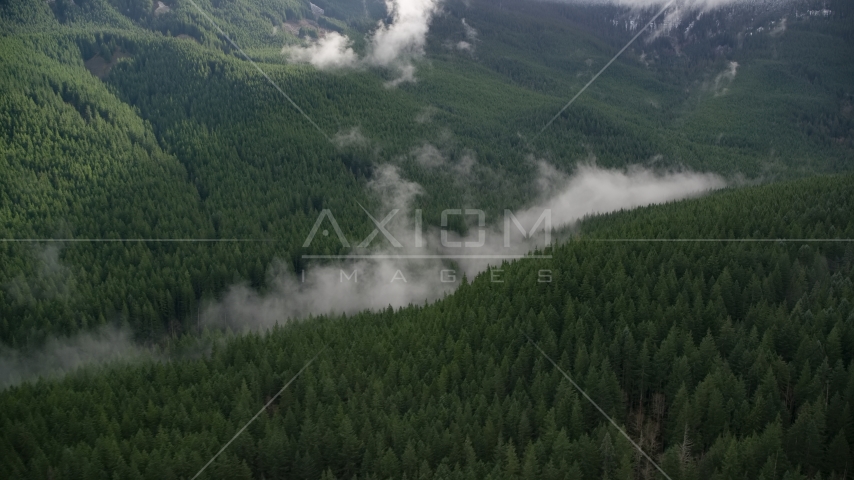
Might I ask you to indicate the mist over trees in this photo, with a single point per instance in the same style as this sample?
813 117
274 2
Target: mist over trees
125 121
722 359
181 139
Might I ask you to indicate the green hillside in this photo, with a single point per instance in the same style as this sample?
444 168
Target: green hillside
721 359
181 138
717 332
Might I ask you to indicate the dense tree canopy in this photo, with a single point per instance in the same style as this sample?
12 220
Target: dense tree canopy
181 138
721 359
724 358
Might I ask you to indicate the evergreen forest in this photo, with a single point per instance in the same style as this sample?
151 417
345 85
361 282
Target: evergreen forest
148 166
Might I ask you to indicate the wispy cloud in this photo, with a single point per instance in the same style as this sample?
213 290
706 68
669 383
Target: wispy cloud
391 45
350 138
383 279
431 157
329 52
49 278
592 189
468 44
779 29
690 4
59 356
407 33
428 156
394 190
722 80
426 115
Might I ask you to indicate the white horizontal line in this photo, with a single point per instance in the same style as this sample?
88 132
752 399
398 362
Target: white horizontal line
162 240
424 257
713 239
213 240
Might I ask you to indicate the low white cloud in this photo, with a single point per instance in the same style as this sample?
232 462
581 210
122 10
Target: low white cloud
393 45
48 279
59 356
406 34
426 115
670 21
350 138
394 190
329 52
346 286
467 45
406 74
566 199
383 280
592 190
722 80
471 33
465 165
428 156
386 279
691 4
779 29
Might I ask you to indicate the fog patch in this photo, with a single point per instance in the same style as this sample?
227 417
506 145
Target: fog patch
471 33
384 278
426 115
49 278
391 45
671 19
394 190
346 286
465 165
464 46
406 74
720 86
356 286
406 35
350 138
331 51
468 44
692 4
779 29
59 356
549 179
567 198
428 156
595 190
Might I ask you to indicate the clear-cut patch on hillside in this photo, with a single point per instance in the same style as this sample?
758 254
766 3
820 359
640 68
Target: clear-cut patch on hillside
100 67
305 27
160 8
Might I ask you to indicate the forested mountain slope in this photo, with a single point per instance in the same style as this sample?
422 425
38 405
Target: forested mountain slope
181 138
722 359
